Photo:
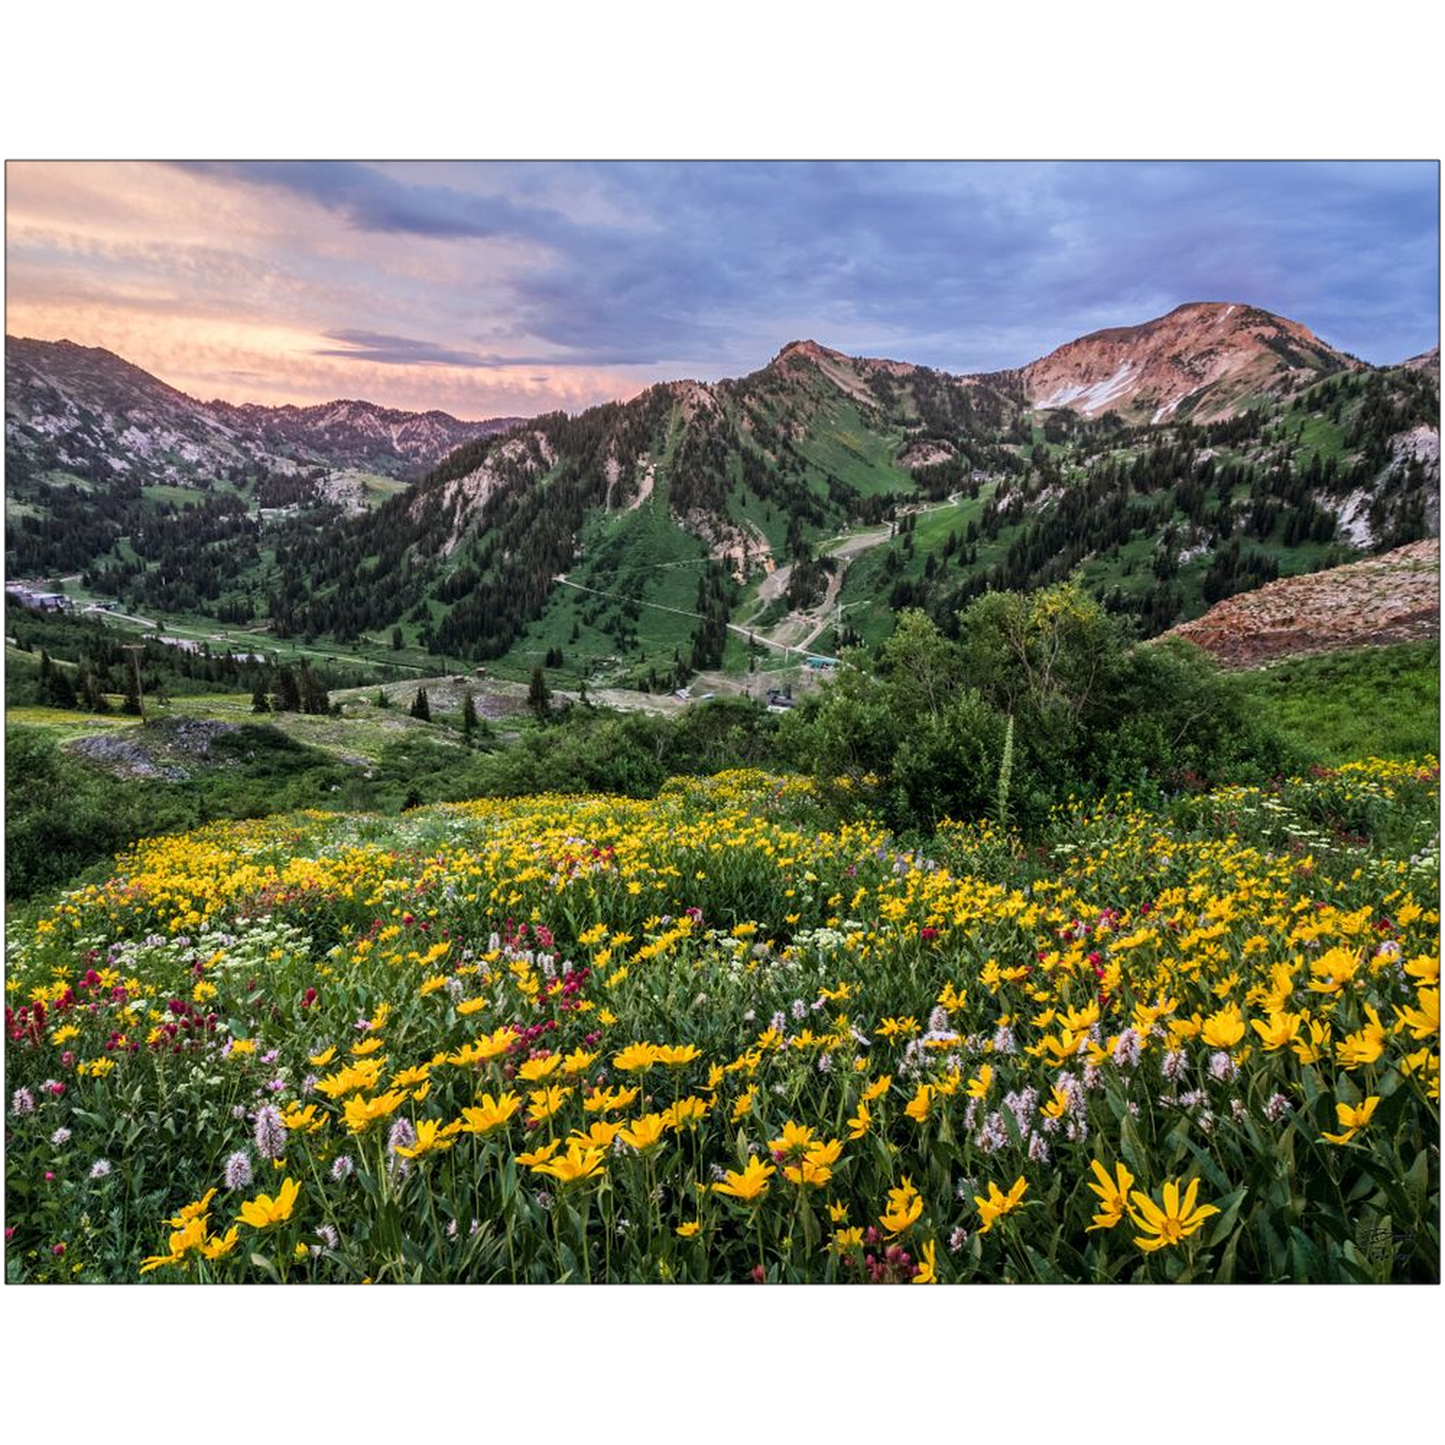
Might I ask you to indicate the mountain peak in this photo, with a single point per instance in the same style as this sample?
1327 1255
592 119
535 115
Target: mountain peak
808 351
1202 359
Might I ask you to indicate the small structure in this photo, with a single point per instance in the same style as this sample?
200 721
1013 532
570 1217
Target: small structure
38 601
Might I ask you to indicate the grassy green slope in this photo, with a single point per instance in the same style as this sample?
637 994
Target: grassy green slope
1381 701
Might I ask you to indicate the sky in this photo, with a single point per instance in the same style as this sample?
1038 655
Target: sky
490 289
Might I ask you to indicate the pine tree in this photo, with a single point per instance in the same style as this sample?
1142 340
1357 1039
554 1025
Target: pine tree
288 694
539 696
314 699
420 707
131 704
469 716
259 702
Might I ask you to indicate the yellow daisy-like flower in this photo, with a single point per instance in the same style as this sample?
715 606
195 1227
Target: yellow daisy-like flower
809 1172
918 1106
1423 1021
635 1057
489 1113
188 1240
598 1135
576 1164
303 1120
263 1211
539 1156
1365 1046
998 1203
220 1245
645 1132
604 1101
431 1134
1113 1191
927 1273
192 1211
1171 1223
749 1185
905 1207
543 1103
686 1112
1352 1120
796 1140
363 1112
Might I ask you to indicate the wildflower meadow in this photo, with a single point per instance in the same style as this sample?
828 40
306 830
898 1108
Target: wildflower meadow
731 1035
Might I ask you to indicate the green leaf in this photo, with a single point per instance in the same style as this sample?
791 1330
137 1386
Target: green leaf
261 1262
1225 1273
1417 1184
1223 1223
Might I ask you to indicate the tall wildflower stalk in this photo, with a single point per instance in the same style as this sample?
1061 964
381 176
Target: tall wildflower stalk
1005 774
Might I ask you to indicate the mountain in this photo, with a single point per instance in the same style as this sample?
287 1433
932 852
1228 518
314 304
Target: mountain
1426 361
85 411
704 526
1203 360
804 504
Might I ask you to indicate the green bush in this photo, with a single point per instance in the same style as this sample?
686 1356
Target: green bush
1093 714
62 816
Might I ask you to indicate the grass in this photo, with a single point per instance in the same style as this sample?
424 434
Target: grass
1381 701
159 492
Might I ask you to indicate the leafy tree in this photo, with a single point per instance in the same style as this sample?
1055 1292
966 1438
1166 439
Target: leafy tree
1087 712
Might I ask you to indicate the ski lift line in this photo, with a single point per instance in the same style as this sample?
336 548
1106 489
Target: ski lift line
623 597
742 631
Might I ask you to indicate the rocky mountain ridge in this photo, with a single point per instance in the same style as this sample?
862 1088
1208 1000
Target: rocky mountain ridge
89 412
1394 597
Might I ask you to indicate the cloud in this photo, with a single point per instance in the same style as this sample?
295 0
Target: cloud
370 200
536 285
400 351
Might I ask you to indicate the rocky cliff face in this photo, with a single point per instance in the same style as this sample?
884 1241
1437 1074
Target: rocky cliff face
1394 597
